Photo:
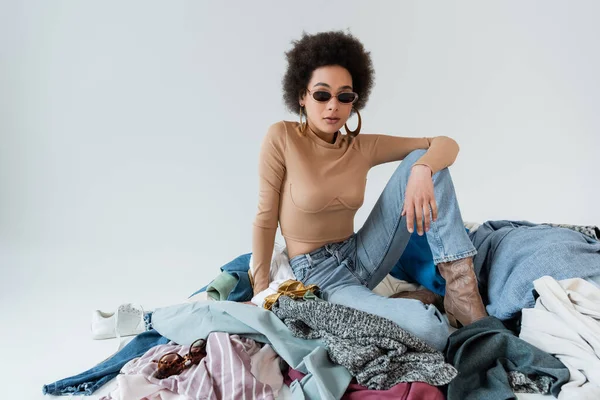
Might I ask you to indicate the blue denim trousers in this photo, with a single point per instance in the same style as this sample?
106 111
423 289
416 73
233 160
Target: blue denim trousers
89 381
346 272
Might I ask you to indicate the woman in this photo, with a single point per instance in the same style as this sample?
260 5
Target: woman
312 182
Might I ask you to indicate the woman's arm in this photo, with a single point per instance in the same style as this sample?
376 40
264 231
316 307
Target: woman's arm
271 171
379 149
420 199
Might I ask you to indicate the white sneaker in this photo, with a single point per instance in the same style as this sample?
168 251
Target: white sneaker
128 320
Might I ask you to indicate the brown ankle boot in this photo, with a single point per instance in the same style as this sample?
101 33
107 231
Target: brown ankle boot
462 301
424 296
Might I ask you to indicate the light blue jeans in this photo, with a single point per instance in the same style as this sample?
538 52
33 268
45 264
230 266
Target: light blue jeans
347 271
86 383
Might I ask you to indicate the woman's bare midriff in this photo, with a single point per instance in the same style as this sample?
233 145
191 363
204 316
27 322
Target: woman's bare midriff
296 248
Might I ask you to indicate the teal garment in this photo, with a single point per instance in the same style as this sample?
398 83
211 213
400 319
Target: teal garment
486 354
221 286
184 323
309 295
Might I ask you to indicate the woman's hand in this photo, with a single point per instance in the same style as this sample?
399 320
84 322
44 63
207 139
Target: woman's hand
419 199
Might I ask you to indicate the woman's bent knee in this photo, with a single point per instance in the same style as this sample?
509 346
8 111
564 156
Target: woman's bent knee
414 156
407 163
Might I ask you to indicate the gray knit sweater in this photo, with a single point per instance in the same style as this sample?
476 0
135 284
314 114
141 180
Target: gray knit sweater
375 350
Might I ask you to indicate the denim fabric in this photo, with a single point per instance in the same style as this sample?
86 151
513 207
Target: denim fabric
89 381
513 254
238 268
416 265
347 271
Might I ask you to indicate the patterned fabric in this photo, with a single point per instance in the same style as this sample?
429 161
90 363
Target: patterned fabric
591 231
148 321
375 350
224 373
521 383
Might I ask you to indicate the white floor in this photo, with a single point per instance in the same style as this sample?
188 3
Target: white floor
46 309
46 300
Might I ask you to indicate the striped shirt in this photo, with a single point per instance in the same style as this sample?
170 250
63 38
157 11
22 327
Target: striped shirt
225 372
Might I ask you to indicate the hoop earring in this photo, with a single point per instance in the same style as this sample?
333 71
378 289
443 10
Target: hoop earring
302 125
357 130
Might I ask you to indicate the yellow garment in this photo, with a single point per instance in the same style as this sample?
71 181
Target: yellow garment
291 288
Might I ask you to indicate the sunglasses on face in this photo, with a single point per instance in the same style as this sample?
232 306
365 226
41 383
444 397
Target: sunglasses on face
173 364
323 96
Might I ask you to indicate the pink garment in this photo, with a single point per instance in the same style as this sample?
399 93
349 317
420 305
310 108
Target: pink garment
225 372
402 391
137 387
265 367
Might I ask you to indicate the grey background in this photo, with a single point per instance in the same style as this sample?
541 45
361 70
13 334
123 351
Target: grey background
129 137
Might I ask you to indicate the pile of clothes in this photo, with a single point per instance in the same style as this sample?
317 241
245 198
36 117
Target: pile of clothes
542 335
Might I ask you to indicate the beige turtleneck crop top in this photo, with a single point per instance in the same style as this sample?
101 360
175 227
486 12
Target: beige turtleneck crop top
313 188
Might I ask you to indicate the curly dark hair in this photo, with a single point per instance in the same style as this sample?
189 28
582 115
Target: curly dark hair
322 49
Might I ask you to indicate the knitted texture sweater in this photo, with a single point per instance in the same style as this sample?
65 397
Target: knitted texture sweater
375 350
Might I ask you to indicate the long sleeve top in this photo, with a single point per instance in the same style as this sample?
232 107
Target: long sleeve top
312 188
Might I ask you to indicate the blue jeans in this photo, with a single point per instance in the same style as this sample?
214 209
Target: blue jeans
347 271
89 381
513 254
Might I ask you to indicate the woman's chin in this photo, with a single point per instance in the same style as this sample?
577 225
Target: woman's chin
330 128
